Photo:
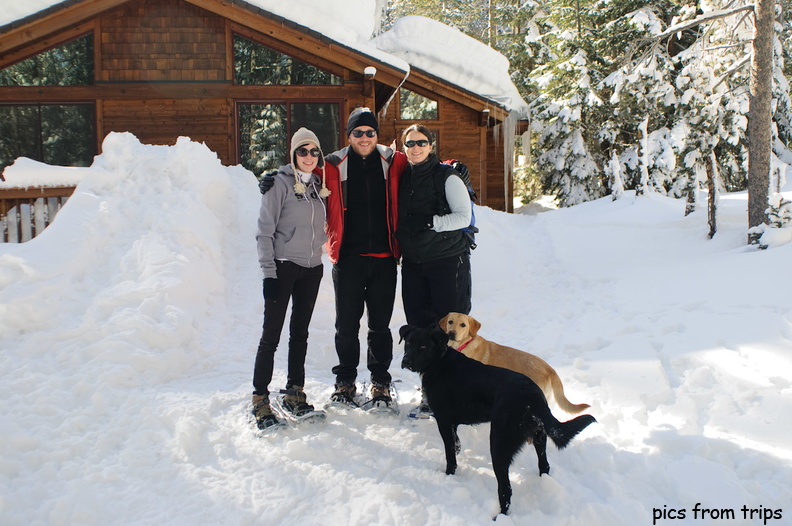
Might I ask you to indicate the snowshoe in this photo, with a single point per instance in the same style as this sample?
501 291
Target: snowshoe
383 400
421 412
292 404
263 415
344 397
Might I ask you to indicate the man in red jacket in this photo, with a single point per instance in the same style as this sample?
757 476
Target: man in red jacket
361 224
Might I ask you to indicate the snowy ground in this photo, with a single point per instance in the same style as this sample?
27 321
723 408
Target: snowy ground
128 331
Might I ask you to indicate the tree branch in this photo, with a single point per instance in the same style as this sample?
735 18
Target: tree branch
707 17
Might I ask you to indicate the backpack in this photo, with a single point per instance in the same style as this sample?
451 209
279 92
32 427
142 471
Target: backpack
439 181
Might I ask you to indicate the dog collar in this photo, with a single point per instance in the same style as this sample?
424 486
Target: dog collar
462 347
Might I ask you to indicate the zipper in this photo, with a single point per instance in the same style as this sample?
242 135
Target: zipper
368 198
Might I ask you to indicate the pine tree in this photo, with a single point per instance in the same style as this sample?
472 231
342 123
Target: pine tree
569 110
567 163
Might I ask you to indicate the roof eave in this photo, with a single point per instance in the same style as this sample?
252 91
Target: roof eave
498 110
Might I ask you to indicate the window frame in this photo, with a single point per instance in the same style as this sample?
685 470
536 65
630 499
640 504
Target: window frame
83 33
277 47
290 129
41 149
421 120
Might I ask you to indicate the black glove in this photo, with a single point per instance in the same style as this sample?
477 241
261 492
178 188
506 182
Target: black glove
462 170
419 222
270 288
267 181
464 174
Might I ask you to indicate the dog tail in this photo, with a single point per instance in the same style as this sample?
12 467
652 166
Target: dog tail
561 399
562 433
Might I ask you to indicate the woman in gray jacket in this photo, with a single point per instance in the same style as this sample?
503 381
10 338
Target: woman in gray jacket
291 232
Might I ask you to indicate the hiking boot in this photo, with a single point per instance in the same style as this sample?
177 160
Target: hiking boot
265 417
380 392
344 394
295 401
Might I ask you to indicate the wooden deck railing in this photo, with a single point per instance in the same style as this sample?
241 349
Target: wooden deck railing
26 212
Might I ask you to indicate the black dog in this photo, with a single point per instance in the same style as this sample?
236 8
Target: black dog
463 391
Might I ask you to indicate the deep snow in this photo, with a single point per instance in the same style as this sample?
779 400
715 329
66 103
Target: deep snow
128 331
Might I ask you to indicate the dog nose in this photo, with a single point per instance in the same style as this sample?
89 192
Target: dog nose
452 335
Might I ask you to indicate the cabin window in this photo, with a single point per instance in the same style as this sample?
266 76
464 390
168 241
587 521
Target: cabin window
265 129
256 64
58 134
71 64
413 106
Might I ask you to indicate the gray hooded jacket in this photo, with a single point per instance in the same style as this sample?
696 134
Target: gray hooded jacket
291 226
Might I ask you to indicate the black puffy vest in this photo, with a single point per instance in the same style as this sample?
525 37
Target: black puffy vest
422 191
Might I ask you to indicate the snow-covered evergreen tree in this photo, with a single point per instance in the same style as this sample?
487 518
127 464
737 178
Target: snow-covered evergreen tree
567 117
642 93
614 94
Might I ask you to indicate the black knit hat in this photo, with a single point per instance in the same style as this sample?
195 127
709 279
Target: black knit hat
361 117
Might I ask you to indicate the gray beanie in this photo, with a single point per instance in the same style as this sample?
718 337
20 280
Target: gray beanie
303 137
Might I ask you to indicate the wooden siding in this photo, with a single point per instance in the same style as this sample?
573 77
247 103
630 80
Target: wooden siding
162 40
162 121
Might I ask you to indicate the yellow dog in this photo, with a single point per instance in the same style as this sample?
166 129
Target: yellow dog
463 336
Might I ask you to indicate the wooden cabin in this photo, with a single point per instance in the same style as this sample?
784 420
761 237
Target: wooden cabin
222 72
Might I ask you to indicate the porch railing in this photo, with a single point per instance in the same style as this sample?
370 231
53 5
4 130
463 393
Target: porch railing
26 212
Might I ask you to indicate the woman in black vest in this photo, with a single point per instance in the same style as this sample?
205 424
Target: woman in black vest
434 207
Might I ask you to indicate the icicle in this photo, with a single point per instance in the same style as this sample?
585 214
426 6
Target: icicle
509 136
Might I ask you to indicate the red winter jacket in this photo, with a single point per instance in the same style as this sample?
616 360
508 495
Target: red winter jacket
393 164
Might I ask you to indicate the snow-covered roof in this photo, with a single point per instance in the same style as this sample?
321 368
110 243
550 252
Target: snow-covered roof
431 46
449 54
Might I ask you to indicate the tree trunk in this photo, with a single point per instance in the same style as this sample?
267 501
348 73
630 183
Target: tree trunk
643 158
712 200
491 28
760 117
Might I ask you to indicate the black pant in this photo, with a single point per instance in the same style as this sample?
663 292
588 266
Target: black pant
371 282
432 289
302 286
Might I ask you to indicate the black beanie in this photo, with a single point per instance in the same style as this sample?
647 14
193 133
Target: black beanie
361 117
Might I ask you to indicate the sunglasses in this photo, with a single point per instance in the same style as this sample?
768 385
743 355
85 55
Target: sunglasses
302 152
357 134
422 143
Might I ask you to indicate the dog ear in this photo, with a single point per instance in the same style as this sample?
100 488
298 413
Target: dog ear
442 323
404 331
475 325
